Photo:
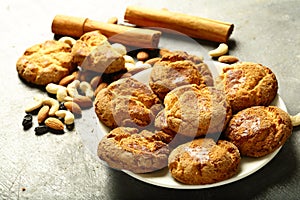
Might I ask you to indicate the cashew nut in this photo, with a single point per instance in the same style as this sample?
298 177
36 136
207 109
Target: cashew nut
221 50
128 59
37 104
72 88
67 115
52 88
295 119
61 94
68 40
54 105
87 89
120 48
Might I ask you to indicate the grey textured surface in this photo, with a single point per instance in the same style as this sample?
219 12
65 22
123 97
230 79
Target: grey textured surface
60 167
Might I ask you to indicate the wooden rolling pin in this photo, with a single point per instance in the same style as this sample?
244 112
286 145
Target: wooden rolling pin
193 26
77 26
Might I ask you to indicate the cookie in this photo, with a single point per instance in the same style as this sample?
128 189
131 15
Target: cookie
93 52
248 84
194 111
258 131
45 63
128 149
126 102
174 70
203 161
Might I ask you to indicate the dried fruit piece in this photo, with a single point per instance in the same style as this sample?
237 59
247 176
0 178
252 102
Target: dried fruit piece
27 122
41 130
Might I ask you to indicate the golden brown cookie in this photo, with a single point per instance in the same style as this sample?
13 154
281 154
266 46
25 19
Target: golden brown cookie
248 84
202 161
127 148
126 102
194 111
93 52
176 69
259 130
45 63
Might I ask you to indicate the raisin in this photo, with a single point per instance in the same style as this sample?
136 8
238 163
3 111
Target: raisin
41 130
56 132
70 127
62 106
27 122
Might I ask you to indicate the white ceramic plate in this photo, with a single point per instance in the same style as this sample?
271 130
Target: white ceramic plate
91 131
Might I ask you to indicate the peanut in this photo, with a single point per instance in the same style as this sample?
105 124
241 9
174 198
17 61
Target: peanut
142 56
95 82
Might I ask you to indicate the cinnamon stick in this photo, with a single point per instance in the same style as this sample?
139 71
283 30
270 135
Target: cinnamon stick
77 26
193 26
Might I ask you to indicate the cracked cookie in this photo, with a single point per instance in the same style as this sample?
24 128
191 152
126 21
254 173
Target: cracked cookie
203 161
248 84
128 149
259 130
127 102
45 63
